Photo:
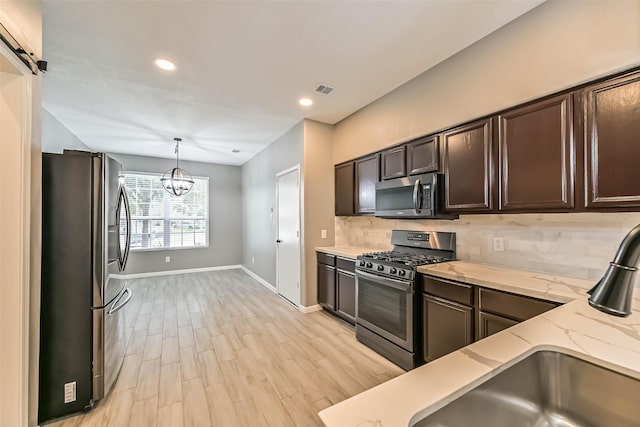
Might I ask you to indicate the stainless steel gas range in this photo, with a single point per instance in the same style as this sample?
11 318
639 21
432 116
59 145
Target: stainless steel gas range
388 301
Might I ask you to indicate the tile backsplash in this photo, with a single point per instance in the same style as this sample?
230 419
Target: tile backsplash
578 245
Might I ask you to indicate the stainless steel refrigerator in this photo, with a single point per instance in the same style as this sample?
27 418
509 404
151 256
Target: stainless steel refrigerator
86 236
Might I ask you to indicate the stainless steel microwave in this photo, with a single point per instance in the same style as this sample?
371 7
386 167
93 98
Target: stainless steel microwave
414 197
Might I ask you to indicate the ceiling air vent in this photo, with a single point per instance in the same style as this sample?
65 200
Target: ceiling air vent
324 89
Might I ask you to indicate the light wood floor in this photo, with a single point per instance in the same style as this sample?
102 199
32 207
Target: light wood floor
219 349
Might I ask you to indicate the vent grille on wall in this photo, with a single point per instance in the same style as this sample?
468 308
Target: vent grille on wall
324 89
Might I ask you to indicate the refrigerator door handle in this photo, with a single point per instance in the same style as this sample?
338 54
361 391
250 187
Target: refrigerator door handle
117 305
123 201
128 210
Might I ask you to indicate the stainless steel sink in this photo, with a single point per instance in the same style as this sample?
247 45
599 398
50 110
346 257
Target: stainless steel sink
546 389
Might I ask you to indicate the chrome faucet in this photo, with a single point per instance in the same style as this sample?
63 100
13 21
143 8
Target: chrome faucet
614 292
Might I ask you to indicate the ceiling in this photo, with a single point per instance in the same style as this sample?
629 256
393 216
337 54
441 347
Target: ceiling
242 66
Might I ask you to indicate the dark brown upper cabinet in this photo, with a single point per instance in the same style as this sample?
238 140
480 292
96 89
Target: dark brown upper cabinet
537 156
612 143
423 155
367 175
344 187
468 166
394 163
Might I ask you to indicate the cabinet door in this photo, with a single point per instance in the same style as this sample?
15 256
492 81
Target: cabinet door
346 295
612 146
448 326
468 166
489 324
344 185
367 175
423 155
327 286
537 156
394 163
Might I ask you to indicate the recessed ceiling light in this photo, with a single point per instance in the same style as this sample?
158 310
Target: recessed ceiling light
165 64
305 102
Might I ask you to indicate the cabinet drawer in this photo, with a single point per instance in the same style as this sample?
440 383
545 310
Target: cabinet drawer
458 292
346 264
328 259
512 306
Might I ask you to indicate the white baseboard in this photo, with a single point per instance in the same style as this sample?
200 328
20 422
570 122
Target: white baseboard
273 289
310 309
259 279
172 272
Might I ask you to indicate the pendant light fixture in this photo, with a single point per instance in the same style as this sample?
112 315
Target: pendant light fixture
177 181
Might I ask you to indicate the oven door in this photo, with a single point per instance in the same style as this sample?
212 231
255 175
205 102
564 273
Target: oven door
385 306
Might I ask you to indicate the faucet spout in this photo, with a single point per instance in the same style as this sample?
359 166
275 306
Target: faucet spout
614 292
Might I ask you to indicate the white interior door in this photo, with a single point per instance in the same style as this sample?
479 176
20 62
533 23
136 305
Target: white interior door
288 235
15 134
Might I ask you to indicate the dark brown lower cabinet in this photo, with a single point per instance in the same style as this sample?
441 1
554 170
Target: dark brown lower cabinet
455 314
327 286
448 326
489 324
337 286
346 295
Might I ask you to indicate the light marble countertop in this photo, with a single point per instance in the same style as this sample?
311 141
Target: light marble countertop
538 285
346 251
573 328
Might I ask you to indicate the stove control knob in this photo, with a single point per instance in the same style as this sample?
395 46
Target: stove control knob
369 265
393 270
362 263
402 272
380 267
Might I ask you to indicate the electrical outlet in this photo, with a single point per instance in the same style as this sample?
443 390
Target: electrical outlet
167 259
70 392
498 244
253 260
323 234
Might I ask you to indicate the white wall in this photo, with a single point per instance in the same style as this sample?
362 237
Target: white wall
23 19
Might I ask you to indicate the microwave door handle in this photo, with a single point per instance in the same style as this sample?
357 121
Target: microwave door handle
417 196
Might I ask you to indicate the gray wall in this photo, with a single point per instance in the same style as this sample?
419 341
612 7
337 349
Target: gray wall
259 200
225 224
318 203
56 137
554 46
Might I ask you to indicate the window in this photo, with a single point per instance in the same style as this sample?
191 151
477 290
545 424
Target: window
160 220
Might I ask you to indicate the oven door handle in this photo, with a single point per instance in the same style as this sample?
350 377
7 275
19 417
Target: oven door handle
402 285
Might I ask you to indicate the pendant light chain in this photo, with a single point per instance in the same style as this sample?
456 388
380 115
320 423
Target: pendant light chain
177 150
177 181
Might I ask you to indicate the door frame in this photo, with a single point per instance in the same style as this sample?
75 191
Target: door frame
277 210
14 306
